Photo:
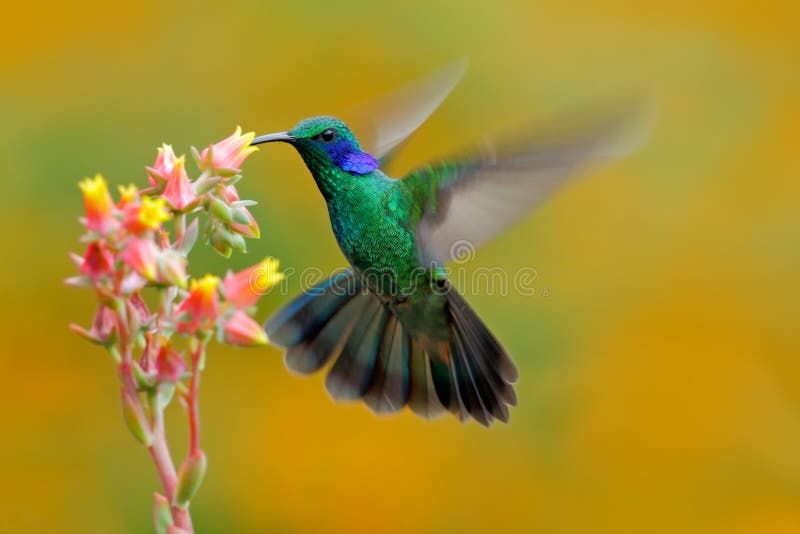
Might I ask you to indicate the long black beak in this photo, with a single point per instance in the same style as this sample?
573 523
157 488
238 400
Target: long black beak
269 138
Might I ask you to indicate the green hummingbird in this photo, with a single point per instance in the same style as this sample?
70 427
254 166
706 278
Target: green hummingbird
397 331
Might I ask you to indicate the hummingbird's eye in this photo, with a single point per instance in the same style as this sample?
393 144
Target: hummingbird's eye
328 135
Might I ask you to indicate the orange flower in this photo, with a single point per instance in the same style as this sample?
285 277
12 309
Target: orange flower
227 155
241 329
100 208
127 195
244 288
199 309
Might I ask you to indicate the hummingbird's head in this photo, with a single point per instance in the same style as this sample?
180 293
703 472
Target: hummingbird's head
325 142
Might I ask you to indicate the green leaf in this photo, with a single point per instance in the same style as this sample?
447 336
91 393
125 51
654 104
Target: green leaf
190 237
135 419
162 515
220 209
190 476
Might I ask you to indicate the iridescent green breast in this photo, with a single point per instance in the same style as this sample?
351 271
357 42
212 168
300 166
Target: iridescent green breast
370 220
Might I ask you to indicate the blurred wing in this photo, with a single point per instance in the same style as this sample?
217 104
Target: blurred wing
392 118
467 202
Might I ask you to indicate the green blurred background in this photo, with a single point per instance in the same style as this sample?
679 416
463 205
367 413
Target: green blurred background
660 378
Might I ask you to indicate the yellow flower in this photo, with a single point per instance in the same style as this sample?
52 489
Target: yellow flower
153 212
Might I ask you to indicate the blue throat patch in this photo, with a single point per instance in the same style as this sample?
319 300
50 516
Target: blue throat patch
350 159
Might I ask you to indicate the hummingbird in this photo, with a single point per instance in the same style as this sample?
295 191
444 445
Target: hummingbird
393 327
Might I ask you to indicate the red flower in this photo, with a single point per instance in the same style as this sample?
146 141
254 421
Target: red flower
169 365
98 261
242 330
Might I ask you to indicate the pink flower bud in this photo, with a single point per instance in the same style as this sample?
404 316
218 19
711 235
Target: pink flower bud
178 191
139 307
244 288
162 168
102 330
227 156
99 206
169 365
242 330
98 261
141 254
199 309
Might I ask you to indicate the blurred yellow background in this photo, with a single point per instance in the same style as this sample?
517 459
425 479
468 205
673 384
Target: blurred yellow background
660 359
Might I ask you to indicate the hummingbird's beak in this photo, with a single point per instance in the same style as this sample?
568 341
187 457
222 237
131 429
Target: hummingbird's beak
269 138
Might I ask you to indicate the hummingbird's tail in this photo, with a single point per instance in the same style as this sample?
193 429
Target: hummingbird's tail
379 361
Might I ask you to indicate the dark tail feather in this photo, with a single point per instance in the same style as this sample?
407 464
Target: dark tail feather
305 316
391 381
313 353
377 360
350 376
422 398
482 370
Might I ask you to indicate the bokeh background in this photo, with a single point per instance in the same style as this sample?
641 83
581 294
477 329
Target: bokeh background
660 357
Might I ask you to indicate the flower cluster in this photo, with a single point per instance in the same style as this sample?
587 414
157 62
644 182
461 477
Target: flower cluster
140 243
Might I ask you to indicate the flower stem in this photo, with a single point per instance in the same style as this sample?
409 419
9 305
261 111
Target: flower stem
180 228
159 450
192 400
